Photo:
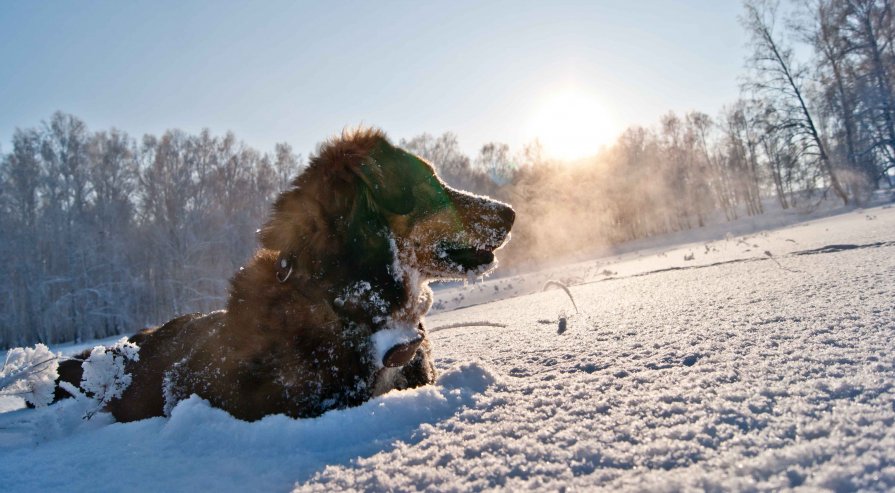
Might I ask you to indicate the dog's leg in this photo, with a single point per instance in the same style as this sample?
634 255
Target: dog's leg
69 371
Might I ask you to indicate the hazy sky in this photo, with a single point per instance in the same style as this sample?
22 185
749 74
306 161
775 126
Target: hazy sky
299 71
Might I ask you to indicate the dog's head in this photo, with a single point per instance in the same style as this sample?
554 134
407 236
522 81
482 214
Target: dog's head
372 204
440 232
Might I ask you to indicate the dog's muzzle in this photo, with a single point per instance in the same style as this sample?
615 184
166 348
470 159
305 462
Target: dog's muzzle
489 223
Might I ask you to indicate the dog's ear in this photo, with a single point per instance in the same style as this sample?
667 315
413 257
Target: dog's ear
356 176
390 173
300 217
295 223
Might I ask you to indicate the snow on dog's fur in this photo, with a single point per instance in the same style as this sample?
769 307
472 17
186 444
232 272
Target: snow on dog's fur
329 312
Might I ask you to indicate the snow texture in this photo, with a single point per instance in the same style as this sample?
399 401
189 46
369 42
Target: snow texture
733 371
29 373
104 377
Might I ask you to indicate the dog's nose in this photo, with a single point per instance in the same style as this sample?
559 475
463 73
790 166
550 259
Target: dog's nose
401 354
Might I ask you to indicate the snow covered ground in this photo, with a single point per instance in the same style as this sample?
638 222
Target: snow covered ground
762 362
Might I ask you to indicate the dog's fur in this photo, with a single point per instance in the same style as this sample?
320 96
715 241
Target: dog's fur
347 254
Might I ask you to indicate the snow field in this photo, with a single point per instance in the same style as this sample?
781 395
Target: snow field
741 376
730 371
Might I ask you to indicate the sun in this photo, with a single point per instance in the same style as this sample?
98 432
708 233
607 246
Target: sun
572 124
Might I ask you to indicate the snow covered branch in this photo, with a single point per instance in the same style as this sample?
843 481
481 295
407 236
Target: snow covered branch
30 373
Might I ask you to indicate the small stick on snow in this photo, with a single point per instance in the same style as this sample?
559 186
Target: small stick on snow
769 255
27 371
466 324
564 288
23 373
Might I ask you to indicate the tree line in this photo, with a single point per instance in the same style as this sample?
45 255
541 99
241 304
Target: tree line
833 113
804 129
103 233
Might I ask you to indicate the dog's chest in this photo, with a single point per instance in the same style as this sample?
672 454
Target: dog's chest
418 303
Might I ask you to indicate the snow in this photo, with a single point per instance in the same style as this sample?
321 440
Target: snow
104 377
200 448
736 370
11 403
29 373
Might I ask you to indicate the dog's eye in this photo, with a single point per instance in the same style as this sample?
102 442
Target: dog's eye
431 195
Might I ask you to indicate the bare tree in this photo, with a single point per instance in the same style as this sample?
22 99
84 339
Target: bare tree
452 165
494 159
21 176
742 136
869 28
287 165
776 76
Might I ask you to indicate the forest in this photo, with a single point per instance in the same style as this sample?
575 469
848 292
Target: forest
104 233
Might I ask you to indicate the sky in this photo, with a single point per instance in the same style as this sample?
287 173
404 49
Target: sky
299 72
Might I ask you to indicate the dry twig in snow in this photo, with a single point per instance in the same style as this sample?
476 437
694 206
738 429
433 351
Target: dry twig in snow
466 324
564 288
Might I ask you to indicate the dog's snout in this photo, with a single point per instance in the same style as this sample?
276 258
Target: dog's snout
508 216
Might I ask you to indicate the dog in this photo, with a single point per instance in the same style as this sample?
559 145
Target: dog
329 311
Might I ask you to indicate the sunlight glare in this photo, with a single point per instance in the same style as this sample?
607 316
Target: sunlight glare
572 124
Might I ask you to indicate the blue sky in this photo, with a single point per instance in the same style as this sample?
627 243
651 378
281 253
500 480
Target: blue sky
298 72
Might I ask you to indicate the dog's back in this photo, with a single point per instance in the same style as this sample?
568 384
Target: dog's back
161 349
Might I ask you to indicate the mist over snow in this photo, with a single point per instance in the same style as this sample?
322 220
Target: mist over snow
760 361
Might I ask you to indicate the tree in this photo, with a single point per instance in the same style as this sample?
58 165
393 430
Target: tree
287 165
776 76
21 177
494 160
742 136
451 164
869 29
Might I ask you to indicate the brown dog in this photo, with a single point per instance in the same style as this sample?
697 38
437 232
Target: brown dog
329 312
